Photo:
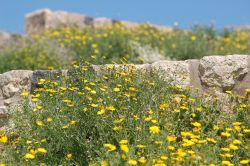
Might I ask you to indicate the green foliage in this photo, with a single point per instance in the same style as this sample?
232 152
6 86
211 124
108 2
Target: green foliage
124 117
112 44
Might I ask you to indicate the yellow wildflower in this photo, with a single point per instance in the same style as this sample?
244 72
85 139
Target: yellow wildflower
41 150
117 89
225 134
142 160
171 138
244 162
154 129
110 147
3 139
132 162
124 141
39 123
49 119
69 156
196 124
124 148
29 156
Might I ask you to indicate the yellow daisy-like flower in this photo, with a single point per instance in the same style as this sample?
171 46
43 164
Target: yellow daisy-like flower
101 112
154 129
110 108
225 134
49 120
24 94
196 124
124 141
69 156
39 123
41 150
171 138
124 148
3 139
110 147
244 162
117 89
132 162
29 156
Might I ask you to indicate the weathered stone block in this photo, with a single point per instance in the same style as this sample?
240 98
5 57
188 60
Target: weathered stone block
13 82
43 19
223 72
177 72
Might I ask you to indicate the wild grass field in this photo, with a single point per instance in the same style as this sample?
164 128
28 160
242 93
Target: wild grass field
125 117
117 44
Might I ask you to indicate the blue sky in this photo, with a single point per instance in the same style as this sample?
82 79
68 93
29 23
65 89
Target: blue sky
163 12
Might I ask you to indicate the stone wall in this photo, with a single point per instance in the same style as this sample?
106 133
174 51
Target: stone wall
214 74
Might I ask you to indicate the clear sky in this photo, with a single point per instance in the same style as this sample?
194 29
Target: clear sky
163 12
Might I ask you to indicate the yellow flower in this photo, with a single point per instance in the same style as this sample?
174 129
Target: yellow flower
2 164
24 93
244 162
41 150
110 108
3 139
110 147
228 155
171 147
104 163
124 148
41 82
226 163
163 106
29 156
39 123
142 160
65 127
193 38
141 146
28 142
72 122
211 140
117 128
236 142
102 111
124 141
233 147
49 119
117 89
154 129
69 156
132 162
248 90
225 149
171 138
110 66
164 157
196 124
225 134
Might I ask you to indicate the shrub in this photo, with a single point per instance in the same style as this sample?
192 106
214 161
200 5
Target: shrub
124 117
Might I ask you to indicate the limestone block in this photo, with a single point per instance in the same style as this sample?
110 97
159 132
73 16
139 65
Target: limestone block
223 72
